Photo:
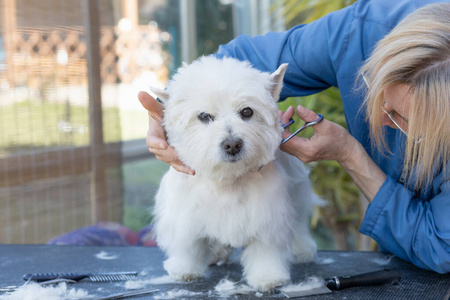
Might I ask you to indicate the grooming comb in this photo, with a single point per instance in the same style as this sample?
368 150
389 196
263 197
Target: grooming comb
97 277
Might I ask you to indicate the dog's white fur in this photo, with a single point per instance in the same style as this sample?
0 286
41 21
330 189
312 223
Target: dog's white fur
250 199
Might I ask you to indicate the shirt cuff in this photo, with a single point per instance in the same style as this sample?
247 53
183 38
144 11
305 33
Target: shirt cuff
376 207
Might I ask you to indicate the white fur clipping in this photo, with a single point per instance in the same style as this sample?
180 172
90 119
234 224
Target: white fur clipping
325 261
227 288
139 284
309 284
383 261
174 294
106 255
34 291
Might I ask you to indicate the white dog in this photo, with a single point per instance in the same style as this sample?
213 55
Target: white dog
222 118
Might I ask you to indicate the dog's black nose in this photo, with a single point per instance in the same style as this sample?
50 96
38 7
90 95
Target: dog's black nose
232 146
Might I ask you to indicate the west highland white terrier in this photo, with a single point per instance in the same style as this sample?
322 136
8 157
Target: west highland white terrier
222 118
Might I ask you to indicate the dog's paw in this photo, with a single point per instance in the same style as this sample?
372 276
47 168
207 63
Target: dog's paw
266 283
265 267
184 277
190 277
265 276
184 271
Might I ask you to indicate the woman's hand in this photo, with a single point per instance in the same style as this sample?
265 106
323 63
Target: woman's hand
329 142
156 137
332 142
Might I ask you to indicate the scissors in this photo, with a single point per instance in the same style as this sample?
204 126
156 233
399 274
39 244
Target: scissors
306 125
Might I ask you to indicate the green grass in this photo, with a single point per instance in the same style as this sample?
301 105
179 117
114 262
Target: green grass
141 181
31 125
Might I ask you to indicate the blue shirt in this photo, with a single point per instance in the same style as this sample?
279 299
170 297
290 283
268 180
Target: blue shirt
414 226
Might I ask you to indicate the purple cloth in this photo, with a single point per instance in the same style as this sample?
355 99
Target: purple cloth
147 237
106 234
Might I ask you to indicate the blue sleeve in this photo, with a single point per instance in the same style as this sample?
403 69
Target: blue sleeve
313 52
409 227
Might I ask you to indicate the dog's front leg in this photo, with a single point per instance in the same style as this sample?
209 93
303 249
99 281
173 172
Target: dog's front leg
188 261
265 266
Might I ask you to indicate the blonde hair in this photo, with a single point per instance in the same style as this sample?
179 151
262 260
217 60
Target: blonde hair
417 53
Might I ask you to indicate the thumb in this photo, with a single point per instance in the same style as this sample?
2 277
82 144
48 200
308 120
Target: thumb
154 108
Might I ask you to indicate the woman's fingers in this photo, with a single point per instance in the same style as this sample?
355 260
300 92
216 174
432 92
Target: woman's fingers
285 117
306 114
154 108
156 136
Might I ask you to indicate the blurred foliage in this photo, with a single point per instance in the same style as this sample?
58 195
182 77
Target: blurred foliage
305 11
214 27
342 214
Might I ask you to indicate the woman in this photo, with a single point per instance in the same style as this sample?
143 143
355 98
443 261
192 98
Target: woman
397 148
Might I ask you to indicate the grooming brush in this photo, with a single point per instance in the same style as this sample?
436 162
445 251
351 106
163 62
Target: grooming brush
97 277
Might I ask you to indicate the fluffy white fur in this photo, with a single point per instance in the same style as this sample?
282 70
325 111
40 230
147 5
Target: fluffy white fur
259 198
35 291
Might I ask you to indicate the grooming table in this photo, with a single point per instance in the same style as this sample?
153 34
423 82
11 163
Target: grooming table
17 260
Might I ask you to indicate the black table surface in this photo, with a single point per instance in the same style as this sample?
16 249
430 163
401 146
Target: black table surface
17 260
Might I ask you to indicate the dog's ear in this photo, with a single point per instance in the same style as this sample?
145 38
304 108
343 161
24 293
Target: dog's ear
277 81
163 95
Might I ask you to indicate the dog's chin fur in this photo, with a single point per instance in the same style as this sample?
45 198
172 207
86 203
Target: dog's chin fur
257 198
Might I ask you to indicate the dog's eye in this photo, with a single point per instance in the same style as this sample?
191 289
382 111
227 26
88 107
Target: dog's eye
205 117
246 113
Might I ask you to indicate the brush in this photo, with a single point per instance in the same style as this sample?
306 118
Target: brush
342 282
97 277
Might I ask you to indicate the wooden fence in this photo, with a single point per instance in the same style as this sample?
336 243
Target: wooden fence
48 191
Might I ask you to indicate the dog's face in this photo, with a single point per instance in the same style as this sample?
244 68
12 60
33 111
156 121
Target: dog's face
221 116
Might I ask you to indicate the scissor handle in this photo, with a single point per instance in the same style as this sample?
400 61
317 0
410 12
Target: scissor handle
315 122
306 125
291 121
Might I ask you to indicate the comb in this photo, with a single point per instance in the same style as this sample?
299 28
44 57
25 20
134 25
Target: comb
97 277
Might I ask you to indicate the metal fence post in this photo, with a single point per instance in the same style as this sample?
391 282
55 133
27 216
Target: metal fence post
188 31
